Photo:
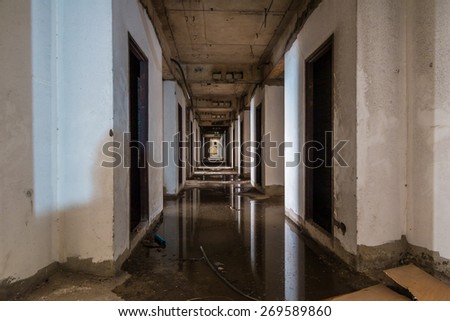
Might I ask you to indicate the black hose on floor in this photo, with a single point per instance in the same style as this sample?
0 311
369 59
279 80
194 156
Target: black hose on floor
224 279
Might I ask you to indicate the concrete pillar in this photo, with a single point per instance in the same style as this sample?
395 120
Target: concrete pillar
173 97
273 137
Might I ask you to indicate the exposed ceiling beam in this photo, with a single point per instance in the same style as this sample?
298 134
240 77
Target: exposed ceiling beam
215 124
171 68
287 33
223 82
220 73
214 109
168 69
211 119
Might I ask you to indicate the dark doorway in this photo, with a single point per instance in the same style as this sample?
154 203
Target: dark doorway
227 146
319 127
191 149
138 117
205 149
180 145
241 141
258 141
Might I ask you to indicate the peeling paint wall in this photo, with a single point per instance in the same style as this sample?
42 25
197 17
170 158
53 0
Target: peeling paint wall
130 17
336 18
403 109
381 125
428 38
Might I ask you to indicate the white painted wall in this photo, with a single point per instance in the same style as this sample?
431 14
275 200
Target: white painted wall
173 96
27 127
240 142
271 99
130 17
428 96
338 18
170 128
85 116
197 143
45 131
59 99
293 130
274 125
236 149
246 118
60 102
257 99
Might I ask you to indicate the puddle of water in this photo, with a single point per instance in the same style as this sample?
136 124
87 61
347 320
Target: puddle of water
249 241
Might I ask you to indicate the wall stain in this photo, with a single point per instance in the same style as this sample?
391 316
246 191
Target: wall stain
29 194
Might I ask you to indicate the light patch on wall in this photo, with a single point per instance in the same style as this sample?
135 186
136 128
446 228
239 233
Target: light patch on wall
43 86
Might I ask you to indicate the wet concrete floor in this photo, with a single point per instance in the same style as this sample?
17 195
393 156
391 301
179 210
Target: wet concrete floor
249 242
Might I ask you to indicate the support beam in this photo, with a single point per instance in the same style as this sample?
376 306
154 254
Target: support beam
226 74
168 69
292 23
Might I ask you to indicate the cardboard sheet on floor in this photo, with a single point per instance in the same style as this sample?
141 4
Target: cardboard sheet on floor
377 292
422 285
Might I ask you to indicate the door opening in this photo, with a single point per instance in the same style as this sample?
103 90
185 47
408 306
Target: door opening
138 125
319 127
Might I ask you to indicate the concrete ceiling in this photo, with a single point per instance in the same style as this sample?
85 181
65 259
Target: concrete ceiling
221 45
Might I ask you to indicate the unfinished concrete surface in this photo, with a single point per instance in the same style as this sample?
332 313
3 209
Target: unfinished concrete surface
68 286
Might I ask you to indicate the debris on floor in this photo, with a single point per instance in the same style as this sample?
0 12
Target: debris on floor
226 281
160 240
421 285
71 286
377 292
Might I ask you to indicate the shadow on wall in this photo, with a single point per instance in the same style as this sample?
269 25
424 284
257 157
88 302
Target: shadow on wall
25 238
77 237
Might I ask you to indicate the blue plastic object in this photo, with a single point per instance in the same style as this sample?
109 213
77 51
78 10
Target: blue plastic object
160 240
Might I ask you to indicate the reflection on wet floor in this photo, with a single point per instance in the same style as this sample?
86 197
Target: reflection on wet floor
247 239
